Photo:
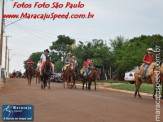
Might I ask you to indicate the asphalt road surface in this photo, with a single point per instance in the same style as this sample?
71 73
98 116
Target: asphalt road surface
77 105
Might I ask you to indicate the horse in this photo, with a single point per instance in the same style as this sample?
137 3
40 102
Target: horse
38 75
29 73
68 75
46 74
151 77
94 75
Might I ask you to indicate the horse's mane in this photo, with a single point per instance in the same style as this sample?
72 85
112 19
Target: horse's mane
151 69
161 69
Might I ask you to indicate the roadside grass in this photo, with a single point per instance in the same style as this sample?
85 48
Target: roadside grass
110 81
145 88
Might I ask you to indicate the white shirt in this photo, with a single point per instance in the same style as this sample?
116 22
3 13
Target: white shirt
38 64
43 57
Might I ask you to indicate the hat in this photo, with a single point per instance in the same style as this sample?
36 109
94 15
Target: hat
150 49
68 53
46 50
73 56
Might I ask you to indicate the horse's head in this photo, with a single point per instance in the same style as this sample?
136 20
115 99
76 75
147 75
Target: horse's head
47 59
71 67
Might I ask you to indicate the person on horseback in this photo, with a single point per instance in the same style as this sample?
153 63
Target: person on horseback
68 59
30 62
43 60
148 59
74 61
88 64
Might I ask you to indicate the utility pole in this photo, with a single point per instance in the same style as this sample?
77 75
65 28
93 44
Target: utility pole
1 42
8 61
6 55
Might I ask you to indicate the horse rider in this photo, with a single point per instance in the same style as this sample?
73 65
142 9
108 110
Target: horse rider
68 59
74 61
88 64
148 59
43 58
30 62
43 61
38 66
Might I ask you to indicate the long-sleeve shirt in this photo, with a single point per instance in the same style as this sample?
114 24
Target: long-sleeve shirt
30 62
68 60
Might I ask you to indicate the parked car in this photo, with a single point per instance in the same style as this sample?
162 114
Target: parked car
129 76
56 77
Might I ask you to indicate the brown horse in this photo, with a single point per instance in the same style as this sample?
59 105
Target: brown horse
68 75
38 78
151 77
94 75
29 73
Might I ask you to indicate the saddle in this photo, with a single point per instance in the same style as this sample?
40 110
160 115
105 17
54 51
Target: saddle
65 67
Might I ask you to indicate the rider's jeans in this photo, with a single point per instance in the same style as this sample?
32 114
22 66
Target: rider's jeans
145 70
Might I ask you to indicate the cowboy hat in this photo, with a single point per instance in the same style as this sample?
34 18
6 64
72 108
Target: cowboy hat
68 53
150 49
46 50
73 56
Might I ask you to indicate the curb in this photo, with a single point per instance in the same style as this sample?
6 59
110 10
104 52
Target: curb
125 91
122 91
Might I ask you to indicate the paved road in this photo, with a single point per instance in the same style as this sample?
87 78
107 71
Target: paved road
76 105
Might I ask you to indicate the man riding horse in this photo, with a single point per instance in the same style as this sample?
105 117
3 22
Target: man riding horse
88 66
148 59
29 70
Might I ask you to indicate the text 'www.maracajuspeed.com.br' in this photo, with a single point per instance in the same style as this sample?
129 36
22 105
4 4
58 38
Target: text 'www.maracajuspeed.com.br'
52 16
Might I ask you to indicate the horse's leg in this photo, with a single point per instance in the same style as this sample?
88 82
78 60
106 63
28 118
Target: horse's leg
86 83
67 81
89 85
36 78
137 85
44 83
41 83
95 85
154 91
83 83
30 79
48 83
72 82
63 82
138 89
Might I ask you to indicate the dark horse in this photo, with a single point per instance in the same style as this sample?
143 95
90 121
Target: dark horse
94 75
29 73
46 74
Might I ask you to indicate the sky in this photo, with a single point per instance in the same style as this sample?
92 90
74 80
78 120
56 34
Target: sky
112 18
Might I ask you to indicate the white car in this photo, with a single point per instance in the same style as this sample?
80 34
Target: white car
129 76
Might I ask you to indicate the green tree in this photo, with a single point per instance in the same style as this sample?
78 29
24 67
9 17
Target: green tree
58 66
62 45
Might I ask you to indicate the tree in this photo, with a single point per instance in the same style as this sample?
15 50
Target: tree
58 66
62 45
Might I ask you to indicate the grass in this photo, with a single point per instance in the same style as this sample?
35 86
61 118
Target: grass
110 81
146 88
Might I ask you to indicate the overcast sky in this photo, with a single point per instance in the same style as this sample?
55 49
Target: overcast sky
128 18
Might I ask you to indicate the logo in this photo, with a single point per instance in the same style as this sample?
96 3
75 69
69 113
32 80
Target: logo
17 112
